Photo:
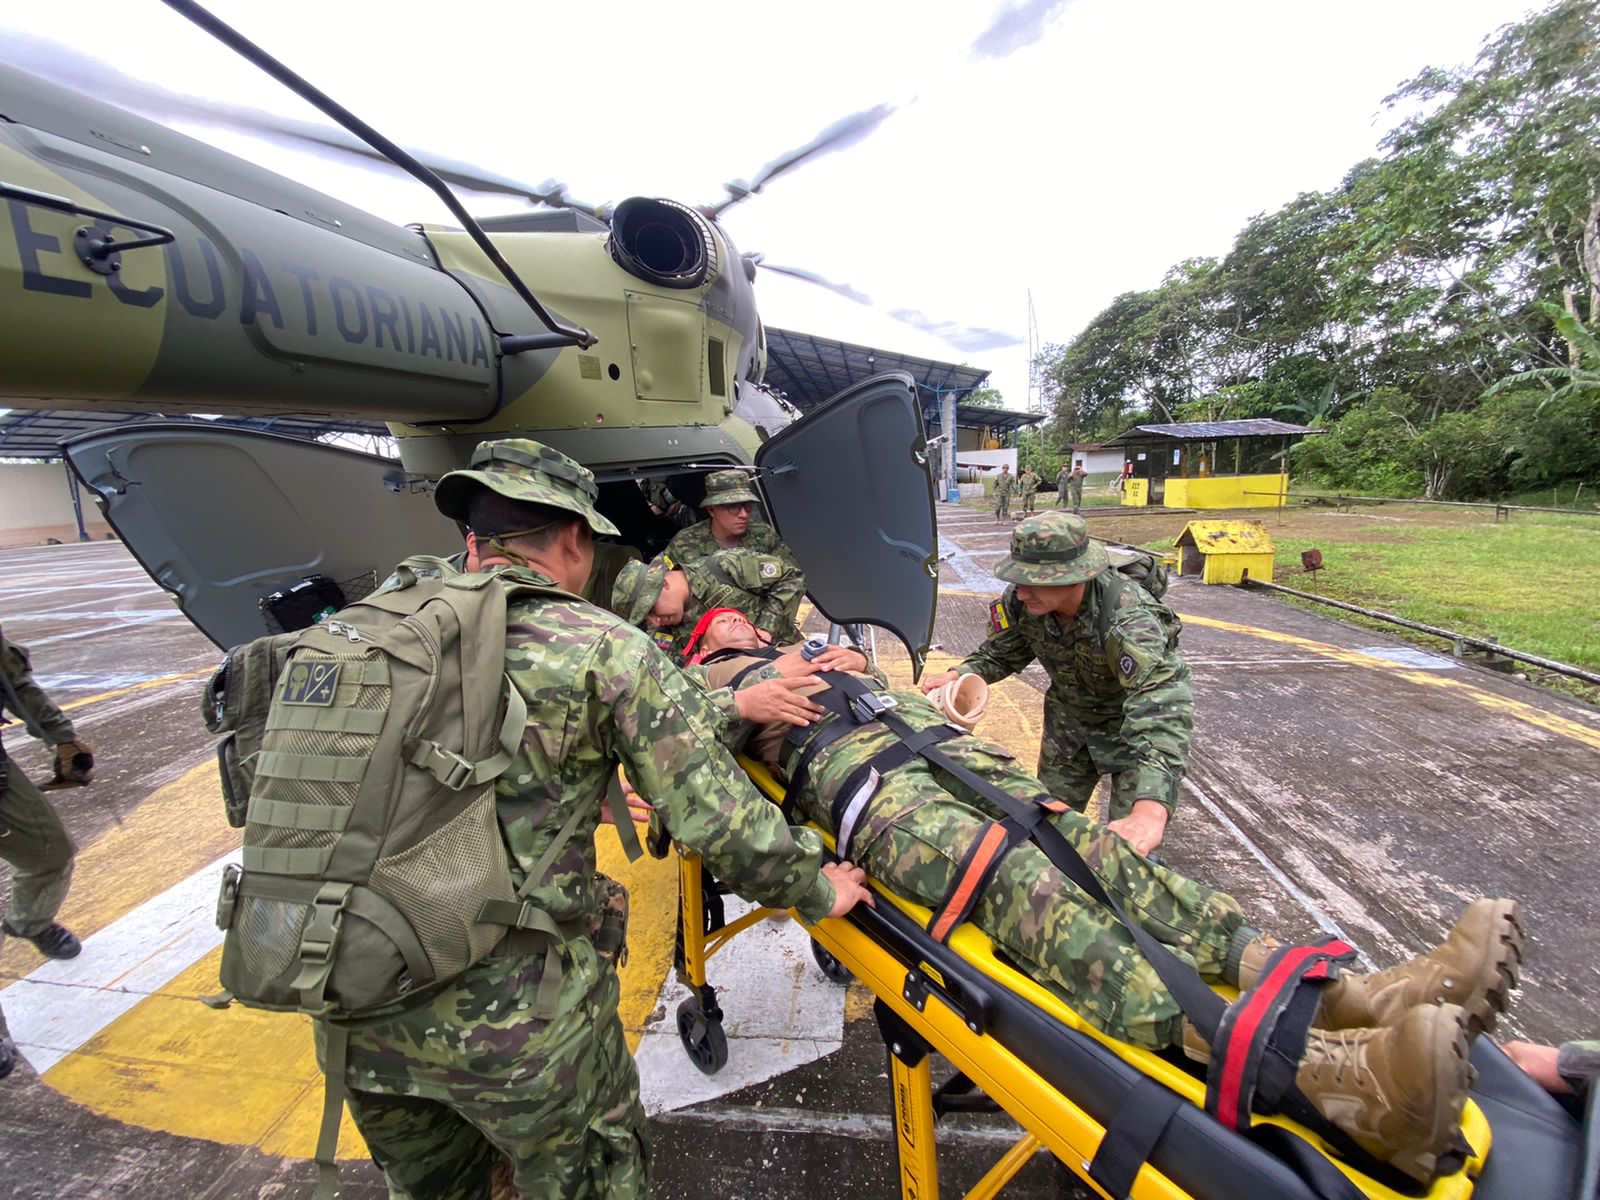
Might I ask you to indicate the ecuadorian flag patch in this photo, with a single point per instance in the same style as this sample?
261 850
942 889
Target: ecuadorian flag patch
999 622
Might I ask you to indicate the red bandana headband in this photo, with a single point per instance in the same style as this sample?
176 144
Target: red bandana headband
690 658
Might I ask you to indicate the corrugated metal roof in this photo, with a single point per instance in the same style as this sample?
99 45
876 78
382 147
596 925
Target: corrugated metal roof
1206 431
1226 537
809 369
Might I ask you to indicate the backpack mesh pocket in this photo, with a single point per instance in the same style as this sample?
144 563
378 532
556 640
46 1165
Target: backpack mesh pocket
442 880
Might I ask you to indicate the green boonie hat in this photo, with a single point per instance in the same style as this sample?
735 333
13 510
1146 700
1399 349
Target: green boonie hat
1052 550
637 589
523 469
728 487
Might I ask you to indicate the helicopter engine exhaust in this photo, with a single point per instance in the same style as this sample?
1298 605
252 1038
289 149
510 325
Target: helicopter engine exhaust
662 242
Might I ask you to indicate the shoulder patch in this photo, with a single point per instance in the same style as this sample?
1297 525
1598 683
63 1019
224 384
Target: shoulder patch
663 641
770 568
999 621
313 683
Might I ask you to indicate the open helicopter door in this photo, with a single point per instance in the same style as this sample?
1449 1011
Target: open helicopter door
254 532
850 491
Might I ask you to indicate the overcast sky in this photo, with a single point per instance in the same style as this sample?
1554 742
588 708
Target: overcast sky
1074 148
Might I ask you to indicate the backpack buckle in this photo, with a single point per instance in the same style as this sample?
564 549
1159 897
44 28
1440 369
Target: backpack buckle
448 767
459 774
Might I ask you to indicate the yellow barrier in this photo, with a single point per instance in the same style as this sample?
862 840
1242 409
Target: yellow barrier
1227 491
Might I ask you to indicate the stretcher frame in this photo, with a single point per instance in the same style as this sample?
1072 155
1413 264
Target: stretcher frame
947 998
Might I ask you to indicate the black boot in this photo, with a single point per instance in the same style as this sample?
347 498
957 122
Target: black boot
54 941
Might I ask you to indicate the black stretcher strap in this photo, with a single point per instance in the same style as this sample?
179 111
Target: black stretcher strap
1131 1136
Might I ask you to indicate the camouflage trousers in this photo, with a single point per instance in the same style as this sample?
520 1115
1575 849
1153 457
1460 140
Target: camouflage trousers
35 843
1002 507
1027 501
442 1092
1074 753
920 827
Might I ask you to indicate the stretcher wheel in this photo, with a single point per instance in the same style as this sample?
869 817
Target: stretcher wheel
831 966
702 1037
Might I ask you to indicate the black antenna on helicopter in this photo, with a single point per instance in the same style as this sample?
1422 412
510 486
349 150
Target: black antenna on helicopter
561 334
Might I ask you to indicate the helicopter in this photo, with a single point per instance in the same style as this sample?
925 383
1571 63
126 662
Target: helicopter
145 270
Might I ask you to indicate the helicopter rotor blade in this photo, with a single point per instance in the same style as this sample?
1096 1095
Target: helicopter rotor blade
846 131
965 337
70 67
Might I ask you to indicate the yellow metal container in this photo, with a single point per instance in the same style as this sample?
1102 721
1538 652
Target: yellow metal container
1135 492
1223 551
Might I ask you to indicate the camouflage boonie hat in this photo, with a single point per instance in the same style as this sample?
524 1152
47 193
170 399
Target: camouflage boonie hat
523 469
728 487
1052 550
637 589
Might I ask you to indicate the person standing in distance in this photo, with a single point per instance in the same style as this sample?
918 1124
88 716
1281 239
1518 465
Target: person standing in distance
502 1061
1119 701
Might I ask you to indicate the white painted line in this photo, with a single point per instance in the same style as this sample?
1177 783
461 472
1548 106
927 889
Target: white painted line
62 1005
1410 656
972 576
779 1012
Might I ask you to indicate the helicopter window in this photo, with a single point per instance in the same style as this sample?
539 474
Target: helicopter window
716 369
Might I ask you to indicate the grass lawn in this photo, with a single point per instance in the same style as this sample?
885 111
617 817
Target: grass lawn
1532 582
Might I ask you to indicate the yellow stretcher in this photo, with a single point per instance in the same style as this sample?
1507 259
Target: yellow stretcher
1065 1083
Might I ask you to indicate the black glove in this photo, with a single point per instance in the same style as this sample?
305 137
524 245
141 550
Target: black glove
74 765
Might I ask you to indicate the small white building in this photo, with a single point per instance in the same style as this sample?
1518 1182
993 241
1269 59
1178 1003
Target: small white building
1098 458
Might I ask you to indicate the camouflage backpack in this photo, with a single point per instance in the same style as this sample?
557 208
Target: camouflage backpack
1144 568
362 757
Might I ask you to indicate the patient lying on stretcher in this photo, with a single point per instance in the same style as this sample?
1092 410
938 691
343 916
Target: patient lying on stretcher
1386 1058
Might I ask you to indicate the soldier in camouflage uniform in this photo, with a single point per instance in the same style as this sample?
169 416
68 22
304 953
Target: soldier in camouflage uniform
489 1064
670 598
1403 1031
32 839
1003 487
1119 701
1029 484
729 525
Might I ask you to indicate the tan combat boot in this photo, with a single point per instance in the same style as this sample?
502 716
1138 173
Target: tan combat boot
1476 966
1396 1091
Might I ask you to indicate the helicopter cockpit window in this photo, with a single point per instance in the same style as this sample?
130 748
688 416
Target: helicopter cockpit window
767 412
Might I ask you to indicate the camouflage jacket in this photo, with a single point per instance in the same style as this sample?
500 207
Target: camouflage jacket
1005 485
1029 482
1579 1064
22 697
1063 477
599 693
694 543
834 764
1115 672
767 588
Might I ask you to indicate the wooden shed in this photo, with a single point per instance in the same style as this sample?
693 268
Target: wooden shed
1223 551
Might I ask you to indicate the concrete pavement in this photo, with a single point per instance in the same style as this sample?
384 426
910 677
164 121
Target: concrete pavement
1339 780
